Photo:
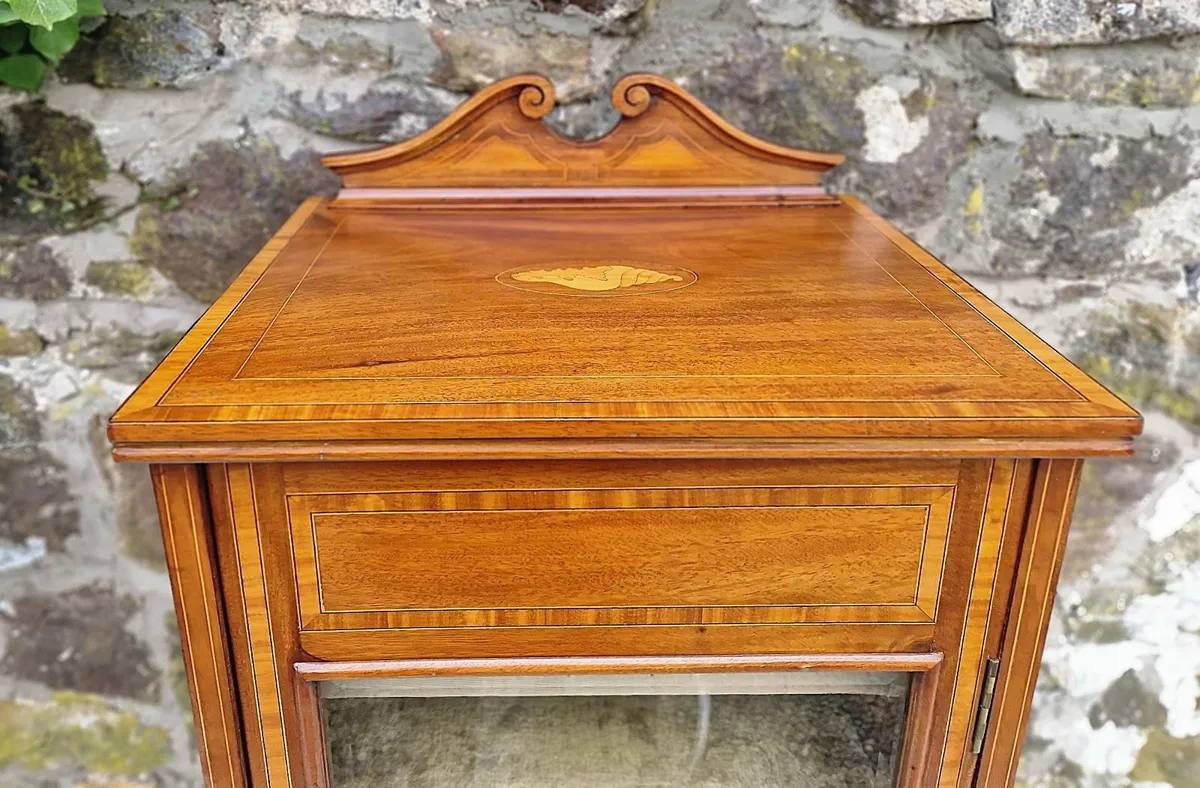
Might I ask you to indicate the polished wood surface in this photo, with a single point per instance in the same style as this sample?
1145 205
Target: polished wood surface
276 580
530 666
575 449
495 147
518 404
833 543
200 615
1042 546
803 323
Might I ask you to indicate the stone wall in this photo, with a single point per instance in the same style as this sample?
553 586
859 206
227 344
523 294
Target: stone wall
1049 150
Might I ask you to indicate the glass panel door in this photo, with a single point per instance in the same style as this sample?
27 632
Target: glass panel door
798 729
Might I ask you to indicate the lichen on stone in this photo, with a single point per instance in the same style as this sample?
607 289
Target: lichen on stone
120 277
1073 199
801 95
156 48
61 151
1132 352
1145 76
1170 760
81 732
22 342
904 13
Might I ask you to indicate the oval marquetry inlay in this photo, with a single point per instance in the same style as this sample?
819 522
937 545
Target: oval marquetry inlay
598 278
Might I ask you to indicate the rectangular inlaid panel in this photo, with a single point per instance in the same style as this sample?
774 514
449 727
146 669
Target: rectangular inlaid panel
792 550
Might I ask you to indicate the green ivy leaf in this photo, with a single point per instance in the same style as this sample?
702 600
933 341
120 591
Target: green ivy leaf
91 8
44 13
24 72
7 15
12 38
57 41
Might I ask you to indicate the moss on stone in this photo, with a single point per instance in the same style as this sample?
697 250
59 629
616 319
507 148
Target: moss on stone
1132 351
1170 760
1144 389
80 731
120 277
25 342
156 48
63 151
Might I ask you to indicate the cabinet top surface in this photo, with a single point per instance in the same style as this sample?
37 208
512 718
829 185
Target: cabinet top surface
613 321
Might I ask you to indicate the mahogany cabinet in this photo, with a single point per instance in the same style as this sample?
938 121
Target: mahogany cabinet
636 461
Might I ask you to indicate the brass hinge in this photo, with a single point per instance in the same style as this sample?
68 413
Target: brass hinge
985 705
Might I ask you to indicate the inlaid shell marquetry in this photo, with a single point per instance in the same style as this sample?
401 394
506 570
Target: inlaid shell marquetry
605 279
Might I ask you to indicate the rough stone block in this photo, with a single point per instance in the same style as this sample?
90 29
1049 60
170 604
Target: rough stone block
385 112
909 13
230 199
790 13
156 48
1078 204
78 641
1053 22
32 271
1146 76
472 59
904 133
1147 354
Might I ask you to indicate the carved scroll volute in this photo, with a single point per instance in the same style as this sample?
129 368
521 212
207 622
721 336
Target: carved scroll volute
536 95
496 147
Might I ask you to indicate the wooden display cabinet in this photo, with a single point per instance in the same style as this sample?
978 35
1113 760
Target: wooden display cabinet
635 461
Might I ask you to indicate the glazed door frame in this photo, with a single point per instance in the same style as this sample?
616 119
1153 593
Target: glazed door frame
274 739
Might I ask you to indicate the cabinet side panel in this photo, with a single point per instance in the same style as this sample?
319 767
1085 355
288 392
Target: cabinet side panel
235 607
1053 499
1018 505
192 563
970 584
263 622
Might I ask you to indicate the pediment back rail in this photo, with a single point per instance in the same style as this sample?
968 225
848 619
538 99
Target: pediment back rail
495 150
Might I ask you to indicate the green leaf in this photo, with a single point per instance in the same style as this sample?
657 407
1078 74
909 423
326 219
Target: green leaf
57 41
22 71
7 15
44 13
91 8
12 38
